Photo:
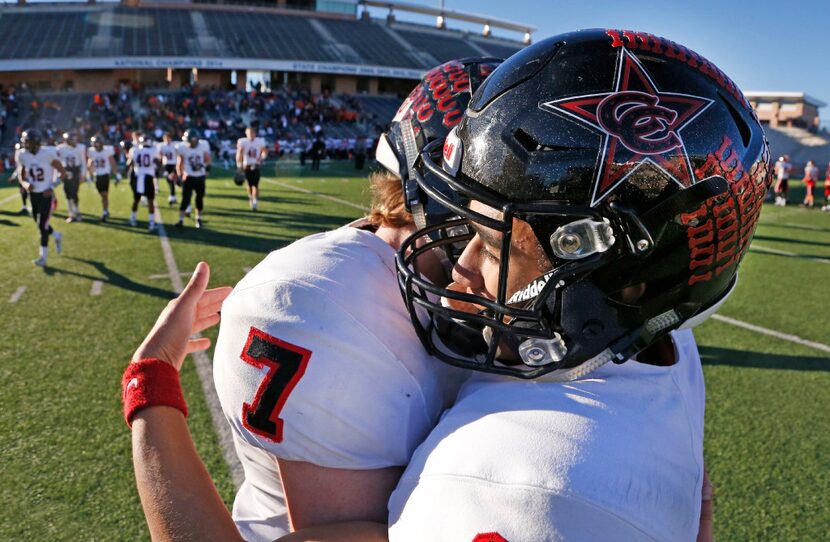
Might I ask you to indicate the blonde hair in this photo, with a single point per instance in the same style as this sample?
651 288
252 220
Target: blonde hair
387 201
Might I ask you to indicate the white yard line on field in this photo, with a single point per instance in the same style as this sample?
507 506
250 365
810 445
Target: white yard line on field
167 275
324 196
772 333
15 297
8 199
758 248
96 287
204 368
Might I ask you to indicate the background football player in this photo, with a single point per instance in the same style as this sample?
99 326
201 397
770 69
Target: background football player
37 167
250 153
101 163
167 148
73 157
592 181
15 178
144 160
192 167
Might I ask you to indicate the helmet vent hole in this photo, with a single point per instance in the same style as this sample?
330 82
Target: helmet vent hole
529 143
526 140
743 128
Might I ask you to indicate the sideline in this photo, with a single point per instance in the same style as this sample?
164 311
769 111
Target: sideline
204 368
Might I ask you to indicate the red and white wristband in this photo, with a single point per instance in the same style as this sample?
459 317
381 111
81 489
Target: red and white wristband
150 382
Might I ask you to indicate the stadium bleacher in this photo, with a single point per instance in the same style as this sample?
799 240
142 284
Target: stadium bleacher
80 30
61 34
442 48
371 42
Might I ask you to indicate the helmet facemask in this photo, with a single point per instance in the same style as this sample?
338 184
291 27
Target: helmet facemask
546 312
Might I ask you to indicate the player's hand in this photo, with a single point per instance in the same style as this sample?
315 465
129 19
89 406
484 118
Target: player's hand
207 168
195 310
706 531
48 193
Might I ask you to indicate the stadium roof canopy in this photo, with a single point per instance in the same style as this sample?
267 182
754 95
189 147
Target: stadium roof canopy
785 97
100 36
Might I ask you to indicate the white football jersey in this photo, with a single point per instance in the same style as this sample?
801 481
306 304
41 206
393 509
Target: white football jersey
317 361
73 156
616 456
144 159
168 153
38 167
251 150
194 157
101 159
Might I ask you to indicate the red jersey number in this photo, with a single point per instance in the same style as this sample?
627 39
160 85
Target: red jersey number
286 364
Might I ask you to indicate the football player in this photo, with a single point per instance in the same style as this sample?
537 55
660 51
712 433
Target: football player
607 185
37 167
101 163
250 153
168 157
15 178
144 160
73 157
192 167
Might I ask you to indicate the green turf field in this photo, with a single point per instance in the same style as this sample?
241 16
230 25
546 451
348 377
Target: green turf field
66 471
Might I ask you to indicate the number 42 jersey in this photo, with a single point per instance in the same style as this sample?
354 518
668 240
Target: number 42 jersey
317 361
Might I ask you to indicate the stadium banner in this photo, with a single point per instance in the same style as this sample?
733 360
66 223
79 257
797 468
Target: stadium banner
185 63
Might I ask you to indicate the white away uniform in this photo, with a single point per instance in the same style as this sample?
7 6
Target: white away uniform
73 157
615 456
168 153
194 158
251 150
144 166
101 160
317 361
38 169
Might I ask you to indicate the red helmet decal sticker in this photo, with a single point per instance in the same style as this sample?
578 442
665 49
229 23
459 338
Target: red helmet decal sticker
639 124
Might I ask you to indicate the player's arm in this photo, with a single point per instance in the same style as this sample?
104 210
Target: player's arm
207 161
180 165
263 153
318 495
239 155
58 165
177 493
113 167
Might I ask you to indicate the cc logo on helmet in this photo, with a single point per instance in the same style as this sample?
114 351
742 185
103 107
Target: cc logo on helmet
639 122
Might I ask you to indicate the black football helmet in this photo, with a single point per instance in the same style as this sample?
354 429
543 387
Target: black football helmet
191 136
239 177
97 142
31 140
430 111
69 138
640 169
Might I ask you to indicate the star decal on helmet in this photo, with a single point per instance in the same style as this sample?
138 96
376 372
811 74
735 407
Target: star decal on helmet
639 125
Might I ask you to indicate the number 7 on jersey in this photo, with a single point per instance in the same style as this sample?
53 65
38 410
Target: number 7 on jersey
286 364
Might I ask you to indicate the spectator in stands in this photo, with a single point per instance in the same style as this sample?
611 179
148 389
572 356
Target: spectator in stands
783 167
810 180
826 206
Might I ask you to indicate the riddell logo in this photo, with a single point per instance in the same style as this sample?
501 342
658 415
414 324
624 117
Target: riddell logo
448 148
452 153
